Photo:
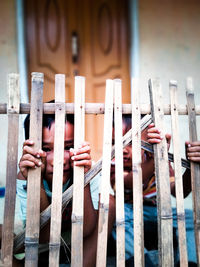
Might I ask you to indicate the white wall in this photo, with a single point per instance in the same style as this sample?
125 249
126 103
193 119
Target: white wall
169 48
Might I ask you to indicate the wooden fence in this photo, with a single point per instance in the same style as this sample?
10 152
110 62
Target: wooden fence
113 102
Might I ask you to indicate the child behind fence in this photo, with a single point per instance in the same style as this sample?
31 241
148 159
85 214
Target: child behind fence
44 158
153 136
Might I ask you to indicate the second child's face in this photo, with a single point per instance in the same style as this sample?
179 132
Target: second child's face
127 151
48 147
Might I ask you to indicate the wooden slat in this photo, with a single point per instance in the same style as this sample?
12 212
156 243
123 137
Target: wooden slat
11 170
56 206
195 167
105 182
119 177
78 190
34 175
178 176
137 177
98 108
67 195
165 233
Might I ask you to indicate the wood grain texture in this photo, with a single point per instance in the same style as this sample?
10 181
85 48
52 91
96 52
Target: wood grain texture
56 210
34 175
137 177
78 181
119 174
165 233
178 175
195 167
99 108
105 181
11 170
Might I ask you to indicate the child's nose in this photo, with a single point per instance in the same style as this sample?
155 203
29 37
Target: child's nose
50 158
66 157
125 150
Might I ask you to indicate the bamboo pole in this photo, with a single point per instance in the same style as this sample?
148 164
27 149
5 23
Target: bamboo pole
105 182
34 175
99 108
195 167
78 190
178 176
165 233
11 171
56 215
119 176
137 177
67 195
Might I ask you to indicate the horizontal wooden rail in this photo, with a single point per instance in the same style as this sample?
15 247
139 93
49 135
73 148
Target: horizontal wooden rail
98 108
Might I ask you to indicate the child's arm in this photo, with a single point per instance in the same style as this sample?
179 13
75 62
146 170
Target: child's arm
82 157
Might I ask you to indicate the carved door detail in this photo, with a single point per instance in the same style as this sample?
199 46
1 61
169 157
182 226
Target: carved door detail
80 37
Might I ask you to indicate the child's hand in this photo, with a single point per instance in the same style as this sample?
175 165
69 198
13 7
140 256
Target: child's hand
31 158
154 135
193 151
81 156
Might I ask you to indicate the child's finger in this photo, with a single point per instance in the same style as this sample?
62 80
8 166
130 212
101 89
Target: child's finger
151 125
195 159
85 149
29 157
193 149
154 141
83 163
153 130
28 142
81 157
154 135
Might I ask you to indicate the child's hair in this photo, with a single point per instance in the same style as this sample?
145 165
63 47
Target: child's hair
127 121
48 120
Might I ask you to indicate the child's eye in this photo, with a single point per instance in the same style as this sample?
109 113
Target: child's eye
67 147
46 149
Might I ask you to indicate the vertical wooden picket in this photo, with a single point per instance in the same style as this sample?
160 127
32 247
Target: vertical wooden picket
119 177
78 190
137 176
11 171
178 175
165 233
56 207
34 175
195 167
105 182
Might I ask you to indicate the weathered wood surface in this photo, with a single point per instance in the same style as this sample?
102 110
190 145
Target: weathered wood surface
34 175
195 167
56 210
137 177
178 176
99 108
165 231
105 181
119 174
78 180
11 170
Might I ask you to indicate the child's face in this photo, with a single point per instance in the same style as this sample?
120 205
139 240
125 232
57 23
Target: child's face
48 147
127 151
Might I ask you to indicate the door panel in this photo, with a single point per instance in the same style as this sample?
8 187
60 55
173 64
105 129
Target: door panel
101 31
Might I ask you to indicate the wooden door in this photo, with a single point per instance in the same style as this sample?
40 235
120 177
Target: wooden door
100 28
